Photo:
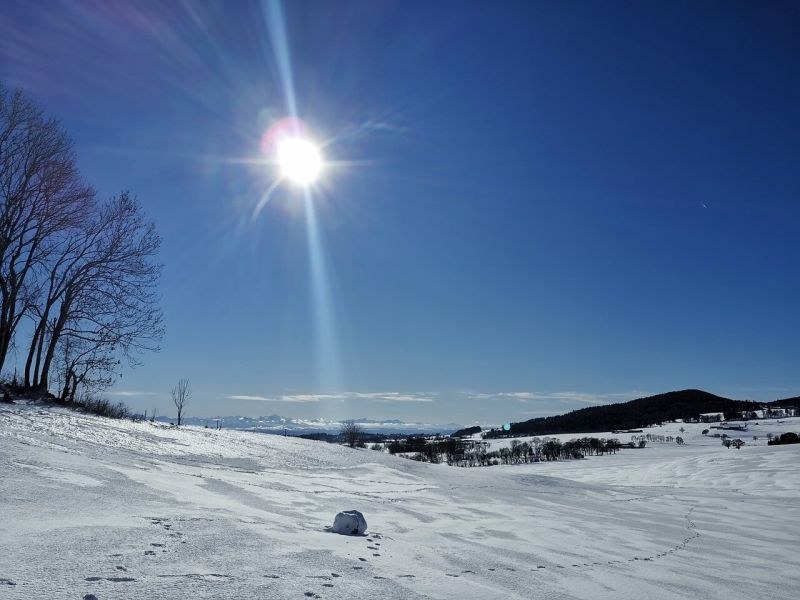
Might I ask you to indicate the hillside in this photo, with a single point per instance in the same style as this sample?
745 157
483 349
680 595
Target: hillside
787 402
634 414
140 510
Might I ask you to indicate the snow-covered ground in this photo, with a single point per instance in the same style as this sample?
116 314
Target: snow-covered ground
139 510
692 433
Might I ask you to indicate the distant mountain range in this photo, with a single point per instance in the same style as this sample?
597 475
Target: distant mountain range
277 424
643 412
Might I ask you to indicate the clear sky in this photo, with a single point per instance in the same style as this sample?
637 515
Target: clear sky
533 206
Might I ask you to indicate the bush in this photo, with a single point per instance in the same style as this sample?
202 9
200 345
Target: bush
104 408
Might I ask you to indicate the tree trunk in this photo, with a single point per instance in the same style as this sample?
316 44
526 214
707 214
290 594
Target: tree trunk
32 352
51 347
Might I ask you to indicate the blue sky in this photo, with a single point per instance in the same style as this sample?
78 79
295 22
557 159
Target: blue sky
535 206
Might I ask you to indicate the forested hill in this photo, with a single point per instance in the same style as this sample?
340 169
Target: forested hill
634 414
789 402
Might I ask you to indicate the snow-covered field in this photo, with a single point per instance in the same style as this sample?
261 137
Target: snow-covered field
138 510
692 433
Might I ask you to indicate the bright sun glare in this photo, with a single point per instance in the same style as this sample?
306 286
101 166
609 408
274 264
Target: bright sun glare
300 160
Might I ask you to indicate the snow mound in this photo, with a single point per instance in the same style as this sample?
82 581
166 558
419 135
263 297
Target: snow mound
350 522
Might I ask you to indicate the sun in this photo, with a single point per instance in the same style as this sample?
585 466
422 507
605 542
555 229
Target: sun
300 160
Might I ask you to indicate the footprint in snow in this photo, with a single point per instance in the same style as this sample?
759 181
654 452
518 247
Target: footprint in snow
149 552
409 576
311 595
4 581
327 585
335 575
362 559
452 575
358 568
272 576
375 554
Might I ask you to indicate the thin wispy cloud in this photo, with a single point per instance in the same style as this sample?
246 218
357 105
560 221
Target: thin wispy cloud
130 393
567 397
384 397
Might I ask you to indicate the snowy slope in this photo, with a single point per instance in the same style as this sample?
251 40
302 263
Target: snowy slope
140 510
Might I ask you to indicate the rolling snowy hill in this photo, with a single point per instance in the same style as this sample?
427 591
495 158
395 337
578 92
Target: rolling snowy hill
141 510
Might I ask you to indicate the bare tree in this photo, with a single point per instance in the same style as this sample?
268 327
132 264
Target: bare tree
105 294
82 363
41 195
180 396
350 433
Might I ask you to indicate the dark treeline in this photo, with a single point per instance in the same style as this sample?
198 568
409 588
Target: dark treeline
467 431
787 402
78 276
636 414
785 438
474 453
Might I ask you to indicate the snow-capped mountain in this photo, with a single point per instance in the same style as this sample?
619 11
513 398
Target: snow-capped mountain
277 424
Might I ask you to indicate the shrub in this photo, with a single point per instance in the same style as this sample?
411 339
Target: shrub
104 408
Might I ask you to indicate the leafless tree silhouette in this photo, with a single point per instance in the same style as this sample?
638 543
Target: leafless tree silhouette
41 196
350 433
180 396
84 272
